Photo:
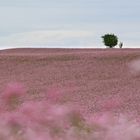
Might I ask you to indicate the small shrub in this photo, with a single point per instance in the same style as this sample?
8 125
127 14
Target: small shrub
110 40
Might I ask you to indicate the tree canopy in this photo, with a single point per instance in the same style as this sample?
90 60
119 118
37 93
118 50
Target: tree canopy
110 40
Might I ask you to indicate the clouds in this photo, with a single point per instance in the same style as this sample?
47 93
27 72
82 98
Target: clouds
48 38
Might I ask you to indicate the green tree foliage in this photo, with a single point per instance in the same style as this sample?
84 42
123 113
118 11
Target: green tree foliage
110 40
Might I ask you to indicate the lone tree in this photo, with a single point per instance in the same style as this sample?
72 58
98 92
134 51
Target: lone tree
110 40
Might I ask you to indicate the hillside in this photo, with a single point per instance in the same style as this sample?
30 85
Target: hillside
86 76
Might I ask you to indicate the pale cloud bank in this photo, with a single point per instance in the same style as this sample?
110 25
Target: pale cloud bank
48 38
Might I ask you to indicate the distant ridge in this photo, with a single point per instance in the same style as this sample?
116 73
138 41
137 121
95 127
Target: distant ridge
54 50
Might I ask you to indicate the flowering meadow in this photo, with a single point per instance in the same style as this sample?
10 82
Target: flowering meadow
47 119
69 95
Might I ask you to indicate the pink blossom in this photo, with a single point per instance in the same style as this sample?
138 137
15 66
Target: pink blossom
13 95
54 94
111 103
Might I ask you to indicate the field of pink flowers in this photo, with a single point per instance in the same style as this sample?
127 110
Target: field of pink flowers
70 94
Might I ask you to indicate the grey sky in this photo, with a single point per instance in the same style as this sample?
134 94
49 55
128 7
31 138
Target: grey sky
68 22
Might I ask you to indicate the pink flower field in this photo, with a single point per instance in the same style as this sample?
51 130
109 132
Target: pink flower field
70 94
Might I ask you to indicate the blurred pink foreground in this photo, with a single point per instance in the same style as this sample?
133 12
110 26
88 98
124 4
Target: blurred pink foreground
60 94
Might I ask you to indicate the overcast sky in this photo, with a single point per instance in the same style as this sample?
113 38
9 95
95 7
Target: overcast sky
51 23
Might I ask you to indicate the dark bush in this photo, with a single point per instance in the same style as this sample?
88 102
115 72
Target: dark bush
110 40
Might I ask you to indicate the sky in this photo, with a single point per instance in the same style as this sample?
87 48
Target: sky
68 23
